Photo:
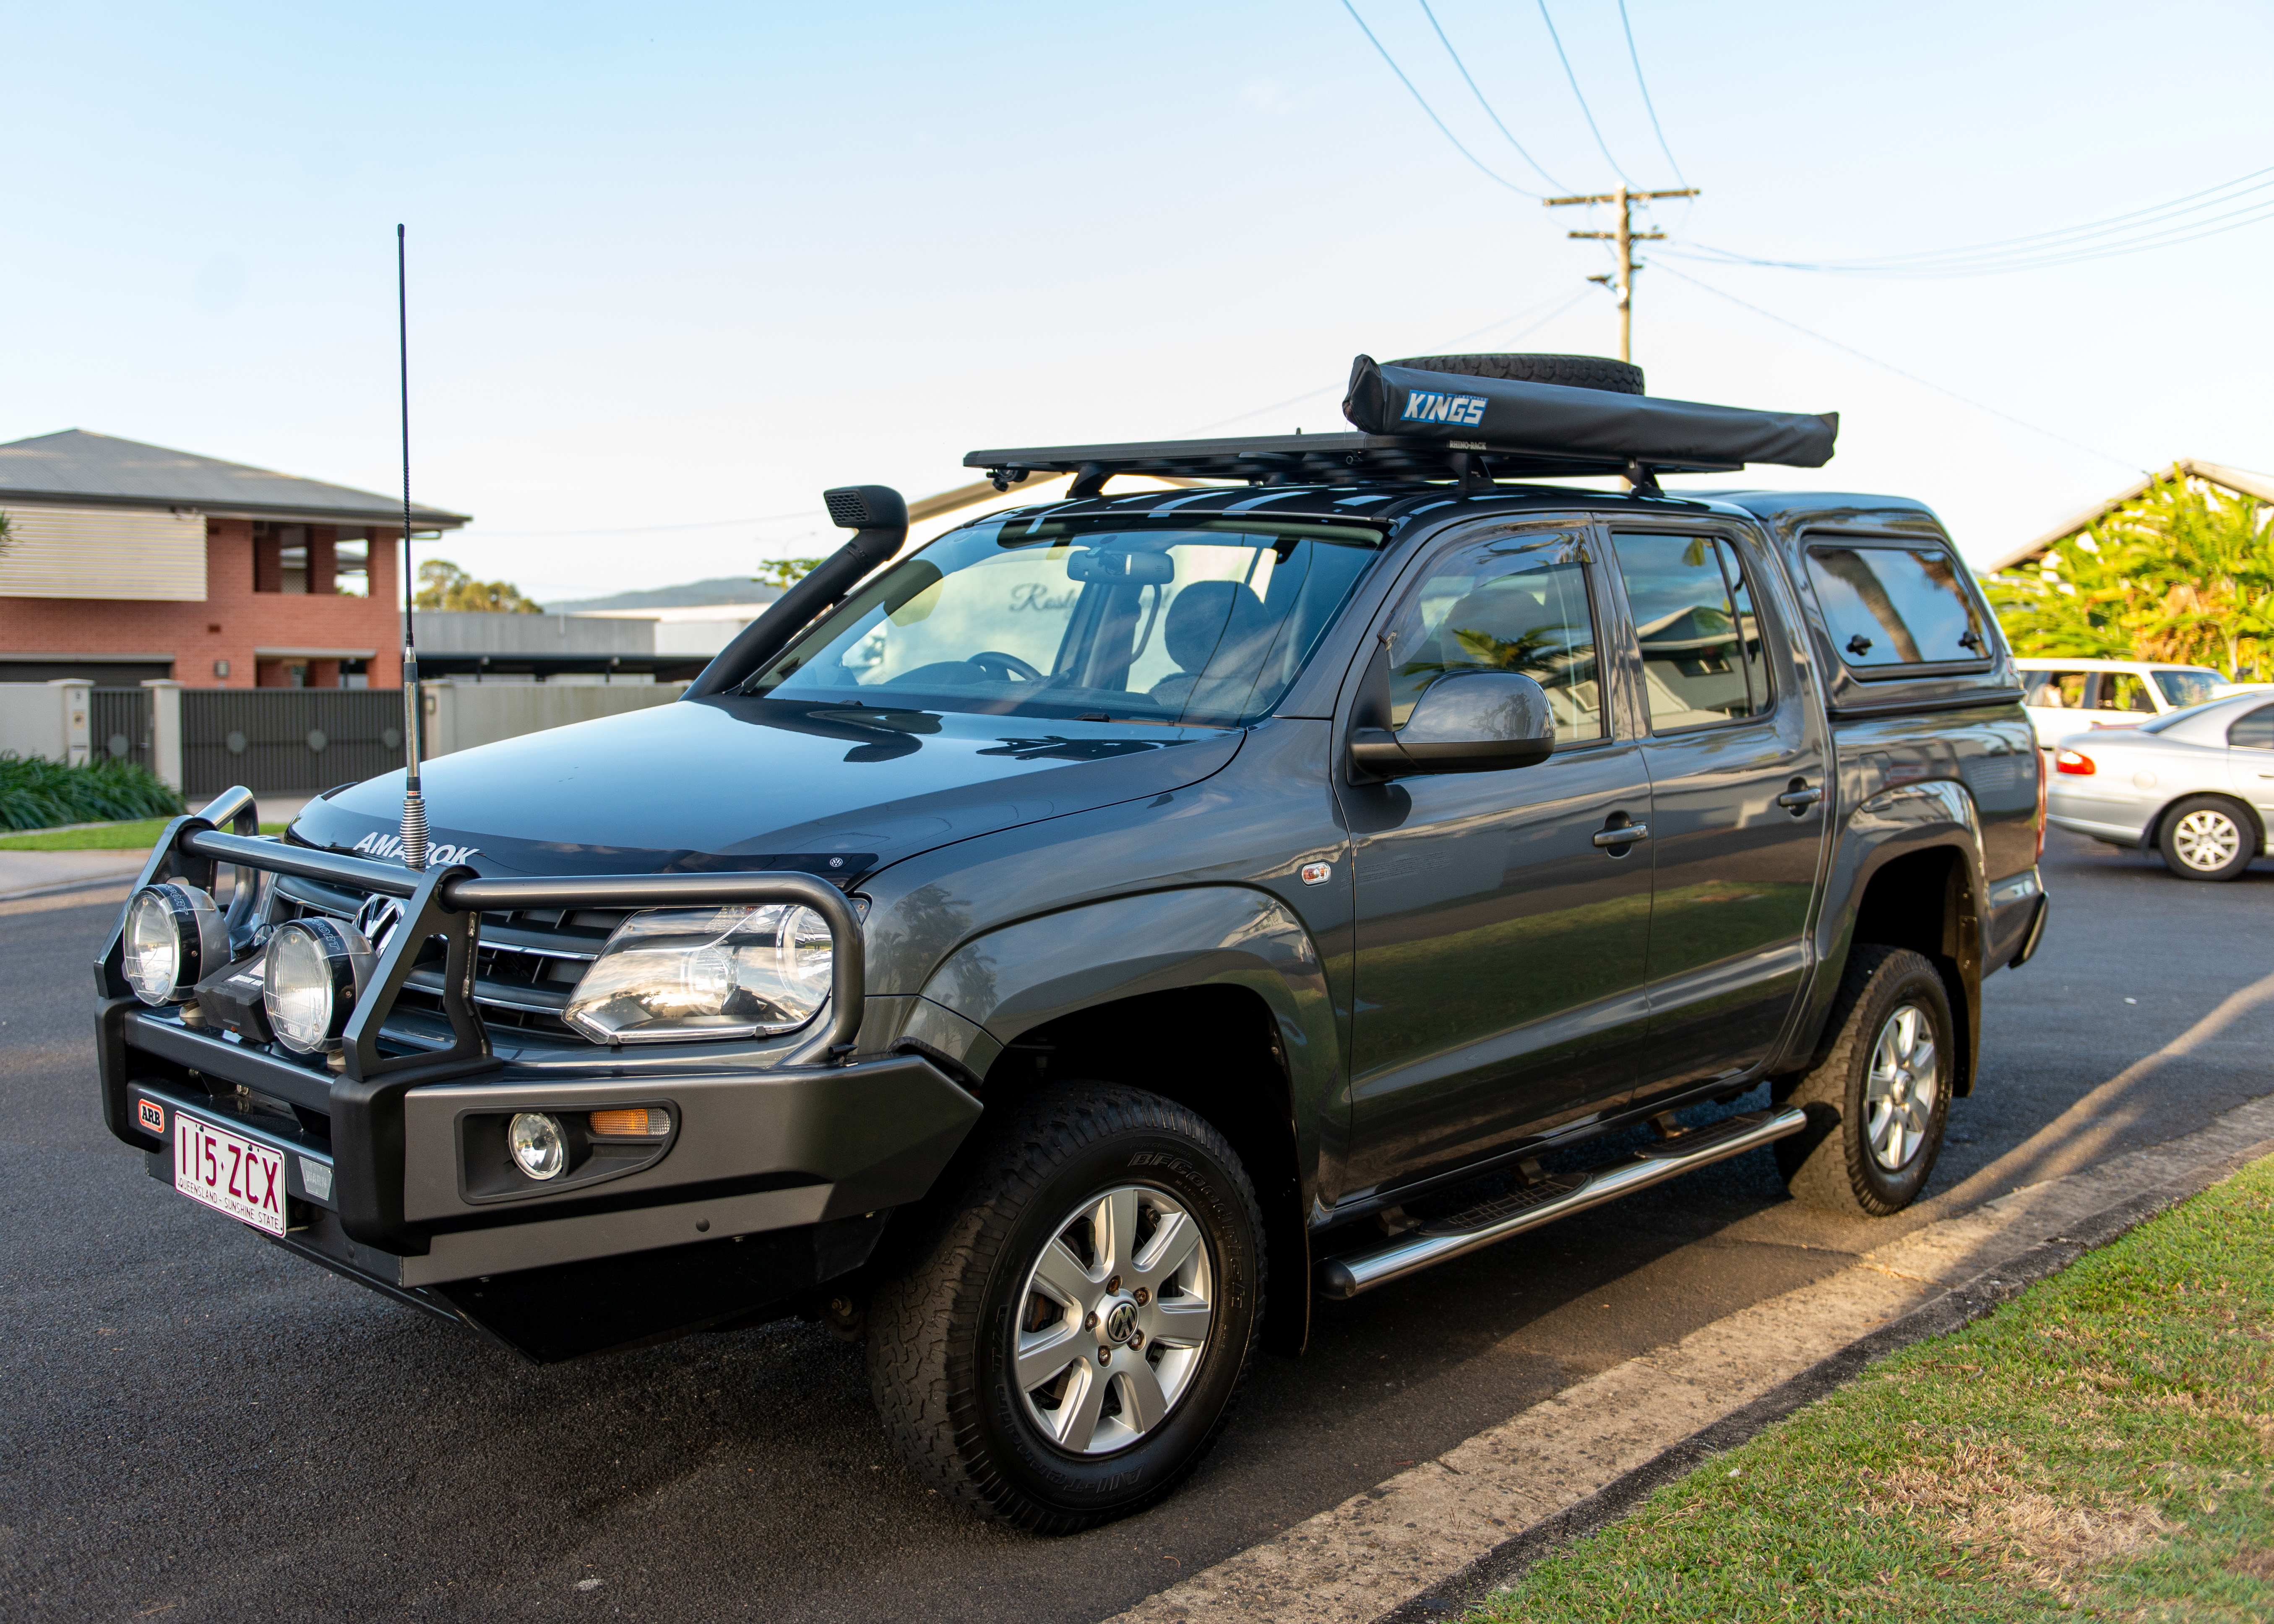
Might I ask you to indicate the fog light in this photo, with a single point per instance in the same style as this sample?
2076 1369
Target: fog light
316 969
641 1122
539 1148
176 937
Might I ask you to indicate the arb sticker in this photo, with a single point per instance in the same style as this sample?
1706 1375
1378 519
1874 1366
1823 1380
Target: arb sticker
151 1114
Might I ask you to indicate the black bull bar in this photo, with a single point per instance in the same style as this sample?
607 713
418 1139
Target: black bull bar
910 1116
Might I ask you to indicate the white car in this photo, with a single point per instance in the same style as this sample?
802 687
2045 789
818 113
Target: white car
2064 696
2196 786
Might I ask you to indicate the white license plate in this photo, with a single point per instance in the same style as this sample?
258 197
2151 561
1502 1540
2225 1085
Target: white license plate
229 1174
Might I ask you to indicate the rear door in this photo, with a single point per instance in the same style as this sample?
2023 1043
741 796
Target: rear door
2250 758
2055 702
1500 947
1735 754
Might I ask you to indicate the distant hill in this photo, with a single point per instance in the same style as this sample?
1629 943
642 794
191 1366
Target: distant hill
724 590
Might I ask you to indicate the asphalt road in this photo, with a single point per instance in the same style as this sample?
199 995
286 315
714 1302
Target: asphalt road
197 1426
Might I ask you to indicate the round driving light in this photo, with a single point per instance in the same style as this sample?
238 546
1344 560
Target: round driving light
176 937
539 1148
316 968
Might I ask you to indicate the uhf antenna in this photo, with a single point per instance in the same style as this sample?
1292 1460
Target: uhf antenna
414 809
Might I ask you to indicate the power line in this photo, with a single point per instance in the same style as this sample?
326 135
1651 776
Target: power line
1443 128
1585 110
2173 237
1649 107
1481 102
1561 306
2179 220
651 530
1890 367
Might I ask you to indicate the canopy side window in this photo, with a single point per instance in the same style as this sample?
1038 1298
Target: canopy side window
1889 608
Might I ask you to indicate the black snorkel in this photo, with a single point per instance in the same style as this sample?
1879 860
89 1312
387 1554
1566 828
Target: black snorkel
878 516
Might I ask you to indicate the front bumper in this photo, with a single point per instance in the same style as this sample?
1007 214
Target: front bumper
773 1181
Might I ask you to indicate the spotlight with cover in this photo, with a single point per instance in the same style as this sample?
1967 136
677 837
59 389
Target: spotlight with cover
176 937
316 970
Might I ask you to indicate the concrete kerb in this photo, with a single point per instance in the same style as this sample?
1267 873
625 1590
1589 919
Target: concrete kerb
1430 1540
1505 1564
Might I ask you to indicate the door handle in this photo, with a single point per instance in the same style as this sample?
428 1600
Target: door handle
1622 835
1798 798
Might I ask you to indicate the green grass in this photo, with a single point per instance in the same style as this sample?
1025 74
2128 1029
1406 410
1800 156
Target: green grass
2101 1447
37 793
136 836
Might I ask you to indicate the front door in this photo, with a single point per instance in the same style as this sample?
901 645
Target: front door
1736 761
1500 947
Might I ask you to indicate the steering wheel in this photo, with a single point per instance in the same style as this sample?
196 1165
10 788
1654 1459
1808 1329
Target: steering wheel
997 663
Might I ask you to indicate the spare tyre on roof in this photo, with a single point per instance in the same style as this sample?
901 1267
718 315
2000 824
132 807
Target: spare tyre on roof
1572 371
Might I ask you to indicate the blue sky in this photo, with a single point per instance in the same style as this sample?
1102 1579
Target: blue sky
676 268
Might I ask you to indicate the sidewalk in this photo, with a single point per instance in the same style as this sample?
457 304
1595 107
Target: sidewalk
1429 1541
26 874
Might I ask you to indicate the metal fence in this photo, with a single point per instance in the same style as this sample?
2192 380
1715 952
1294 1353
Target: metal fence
286 741
118 724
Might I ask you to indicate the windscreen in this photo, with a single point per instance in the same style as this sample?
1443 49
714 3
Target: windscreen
1084 619
2186 687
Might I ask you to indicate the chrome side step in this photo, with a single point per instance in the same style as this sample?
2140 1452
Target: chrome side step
1544 1203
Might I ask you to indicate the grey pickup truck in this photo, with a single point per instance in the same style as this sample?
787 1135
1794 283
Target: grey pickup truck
1060 956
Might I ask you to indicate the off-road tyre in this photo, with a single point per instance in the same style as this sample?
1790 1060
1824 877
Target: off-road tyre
942 1329
1830 1163
2181 837
1572 372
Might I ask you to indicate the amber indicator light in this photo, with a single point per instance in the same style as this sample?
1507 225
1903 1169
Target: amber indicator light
641 1122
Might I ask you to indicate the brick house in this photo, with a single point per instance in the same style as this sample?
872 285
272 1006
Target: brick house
127 563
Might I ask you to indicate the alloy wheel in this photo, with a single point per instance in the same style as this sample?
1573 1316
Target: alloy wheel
1114 1320
2206 839
1900 1089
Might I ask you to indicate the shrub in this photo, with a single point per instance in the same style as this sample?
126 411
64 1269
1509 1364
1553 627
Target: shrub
37 793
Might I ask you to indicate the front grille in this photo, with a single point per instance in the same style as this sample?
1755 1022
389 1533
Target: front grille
528 965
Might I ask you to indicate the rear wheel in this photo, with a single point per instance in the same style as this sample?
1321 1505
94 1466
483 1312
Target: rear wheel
1878 1104
2207 838
1066 1346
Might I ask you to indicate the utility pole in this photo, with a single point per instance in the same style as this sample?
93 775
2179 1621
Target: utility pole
1626 237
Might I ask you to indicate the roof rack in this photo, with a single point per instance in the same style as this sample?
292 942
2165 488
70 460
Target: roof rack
1316 459
1415 425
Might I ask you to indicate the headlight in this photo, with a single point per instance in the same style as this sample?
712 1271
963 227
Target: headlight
705 973
176 937
316 968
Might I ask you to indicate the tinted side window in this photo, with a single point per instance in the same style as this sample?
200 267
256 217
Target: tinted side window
2054 690
2125 690
1701 646
2254 731
1518 604
1895 607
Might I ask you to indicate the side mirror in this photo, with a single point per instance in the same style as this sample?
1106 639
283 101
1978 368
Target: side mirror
1470 721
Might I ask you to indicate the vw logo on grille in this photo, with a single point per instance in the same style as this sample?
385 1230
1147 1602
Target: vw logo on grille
1121 1321
378 918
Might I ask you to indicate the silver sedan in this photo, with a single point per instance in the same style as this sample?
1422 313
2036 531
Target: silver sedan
2195 784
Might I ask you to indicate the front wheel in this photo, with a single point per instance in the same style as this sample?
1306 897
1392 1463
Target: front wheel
2207 838
1068 1344
1878 1104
